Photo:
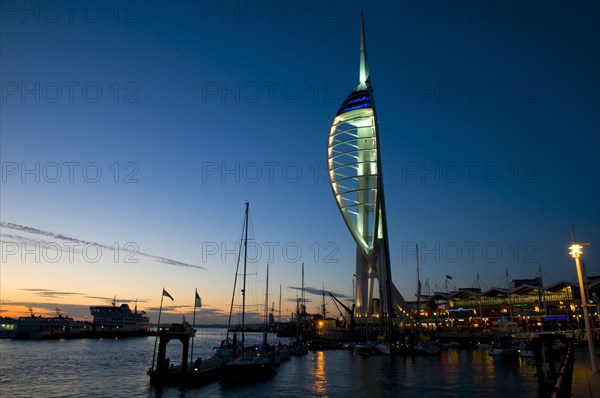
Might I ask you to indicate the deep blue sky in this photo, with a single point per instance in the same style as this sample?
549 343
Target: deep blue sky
505 94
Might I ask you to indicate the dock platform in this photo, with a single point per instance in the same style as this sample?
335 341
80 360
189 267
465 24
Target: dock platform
585 383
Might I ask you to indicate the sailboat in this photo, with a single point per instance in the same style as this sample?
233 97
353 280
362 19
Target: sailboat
254 365
422 347
299 346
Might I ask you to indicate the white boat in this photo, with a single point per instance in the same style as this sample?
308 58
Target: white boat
452 344
484 346
527 353
505 351
365 348
426 348
383 348
502 351
298 348
505 348
111 318
37 327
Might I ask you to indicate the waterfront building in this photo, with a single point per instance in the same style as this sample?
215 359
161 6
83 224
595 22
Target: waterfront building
526 307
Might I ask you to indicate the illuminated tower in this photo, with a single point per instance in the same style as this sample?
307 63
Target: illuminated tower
354 166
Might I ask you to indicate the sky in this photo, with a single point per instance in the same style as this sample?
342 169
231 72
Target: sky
132 133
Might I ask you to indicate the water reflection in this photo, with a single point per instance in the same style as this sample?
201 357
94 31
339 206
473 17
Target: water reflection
320 376
488 361
119 367
452 357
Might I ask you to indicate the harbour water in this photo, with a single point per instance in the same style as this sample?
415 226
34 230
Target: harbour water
117 368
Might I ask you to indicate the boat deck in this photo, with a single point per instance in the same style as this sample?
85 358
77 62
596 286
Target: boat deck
206 371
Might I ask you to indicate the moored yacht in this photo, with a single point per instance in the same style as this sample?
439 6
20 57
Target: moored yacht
252 364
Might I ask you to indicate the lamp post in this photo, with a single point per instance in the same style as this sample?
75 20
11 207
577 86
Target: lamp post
576 249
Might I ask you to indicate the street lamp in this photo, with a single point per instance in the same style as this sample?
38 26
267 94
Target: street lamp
576 251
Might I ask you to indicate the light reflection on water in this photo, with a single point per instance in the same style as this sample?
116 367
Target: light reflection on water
320 383
117 368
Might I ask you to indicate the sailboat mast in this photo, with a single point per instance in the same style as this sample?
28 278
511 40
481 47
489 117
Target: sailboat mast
279 303
267 301
303 307
237 268
244 280
418 291
324 310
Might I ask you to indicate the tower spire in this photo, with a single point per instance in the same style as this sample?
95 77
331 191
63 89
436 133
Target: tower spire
364 65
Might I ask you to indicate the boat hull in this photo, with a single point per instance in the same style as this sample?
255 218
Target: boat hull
204 372
247 371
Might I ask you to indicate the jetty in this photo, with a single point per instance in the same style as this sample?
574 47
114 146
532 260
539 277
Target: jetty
200 372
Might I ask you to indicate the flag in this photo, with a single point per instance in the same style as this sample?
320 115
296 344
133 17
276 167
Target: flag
448 276
198 302
165 293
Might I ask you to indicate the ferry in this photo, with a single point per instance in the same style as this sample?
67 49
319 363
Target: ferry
110 318
109 321
35 327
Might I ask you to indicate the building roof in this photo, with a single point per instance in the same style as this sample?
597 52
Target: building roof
496 291
593 284
525 288
466 293
440 296
560 285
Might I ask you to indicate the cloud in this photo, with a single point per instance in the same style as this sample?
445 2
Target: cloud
51 293
168 308
293 300
173 313
319 292
73 310
19 238
211 312
101 298
118 300
187 310
59 236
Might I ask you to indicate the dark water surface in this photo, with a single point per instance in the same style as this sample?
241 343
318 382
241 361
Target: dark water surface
117 368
